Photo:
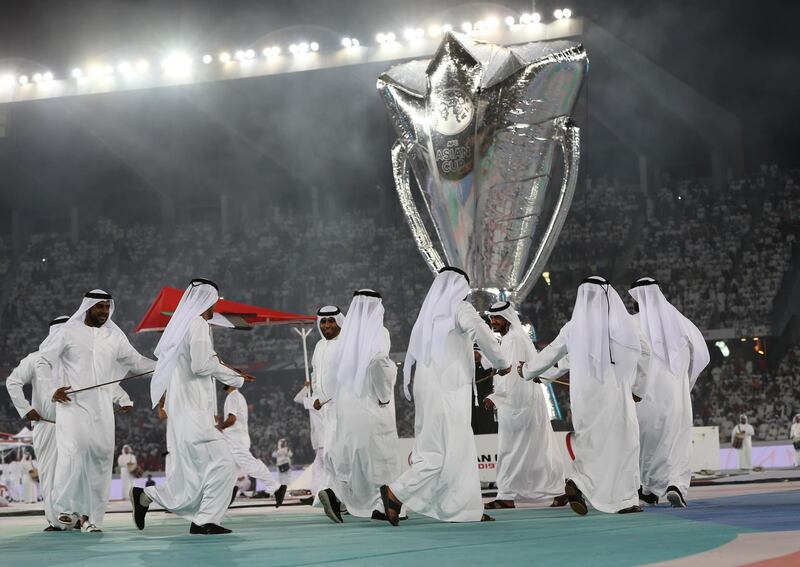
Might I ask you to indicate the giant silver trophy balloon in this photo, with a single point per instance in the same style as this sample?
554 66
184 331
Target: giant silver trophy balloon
479 125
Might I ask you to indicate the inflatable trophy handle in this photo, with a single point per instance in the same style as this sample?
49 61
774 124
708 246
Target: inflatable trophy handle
568 136
402 183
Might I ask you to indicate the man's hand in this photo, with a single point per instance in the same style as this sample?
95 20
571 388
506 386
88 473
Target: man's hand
519 368
504 371
219 427
317 405
636 398
162 414
33 415
125 409
307 384
488 404
61 396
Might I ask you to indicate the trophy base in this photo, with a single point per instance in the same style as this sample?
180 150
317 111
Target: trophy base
482 298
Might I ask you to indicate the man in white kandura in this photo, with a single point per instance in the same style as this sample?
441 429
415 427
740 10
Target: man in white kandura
42 413
283 460
678 355
742 441
201 471
237 434
329 324
90 350
608 360
30 477
323 385
794 437
364 447
127 466
529 464
443 481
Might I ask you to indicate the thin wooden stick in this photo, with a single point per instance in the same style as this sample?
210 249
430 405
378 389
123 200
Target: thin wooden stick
111 382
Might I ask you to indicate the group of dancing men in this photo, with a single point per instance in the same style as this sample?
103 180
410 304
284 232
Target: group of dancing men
629 381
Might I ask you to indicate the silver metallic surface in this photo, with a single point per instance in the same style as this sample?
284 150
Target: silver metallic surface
479 125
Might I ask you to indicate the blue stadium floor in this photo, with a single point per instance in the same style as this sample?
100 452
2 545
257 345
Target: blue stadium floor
297 535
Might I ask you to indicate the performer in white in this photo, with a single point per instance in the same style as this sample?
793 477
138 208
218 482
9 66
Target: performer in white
89 350
529 464
14 480
608 360
678 355
329 323
201 471
443 481
30 472
127 465
364 448
744 432
237 434
42 413
794 436
283 460
320 401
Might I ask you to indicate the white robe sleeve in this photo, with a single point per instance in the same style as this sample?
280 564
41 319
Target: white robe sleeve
131 360
23 374
546 358
48 356
315 362
468 320
229 408
515 350
639 387
382 372
121 397
204 360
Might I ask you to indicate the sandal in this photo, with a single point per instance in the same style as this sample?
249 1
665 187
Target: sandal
499 505
392 507
487 518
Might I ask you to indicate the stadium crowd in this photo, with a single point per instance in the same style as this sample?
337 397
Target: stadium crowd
722 258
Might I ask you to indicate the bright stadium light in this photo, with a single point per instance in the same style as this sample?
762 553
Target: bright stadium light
224 57
467 27
249 54
447 28
567 12
723 348
356 43
347 42
142 66
124 68
7 80
480 25
419 33
177 63
77 73
314 46
207 59
23 80
239 55
525 18
435 30
390 37
276 50
558 14
37 77
408 34
302 47
293 49
536 18
510 21
491 22
47 76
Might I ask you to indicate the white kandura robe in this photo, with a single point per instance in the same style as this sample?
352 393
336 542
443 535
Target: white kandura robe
316 430
606 438
125 475
364 452
529 463
323 387
200 471
28 484
665 426
794 437
283 456
443 481
745 454
44 433
85 426
238 437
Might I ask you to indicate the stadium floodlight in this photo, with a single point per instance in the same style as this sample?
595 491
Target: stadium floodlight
558 14
314 46
536 18
447 28
249 54
347 42
408 34
390 37
435 30
510 21
467 27
302 47
23 80
356 43
480 25
7 80
37 77
419 33
276 50
381 38
224 57
207 59
723 348
567 12
491 22
525 18
125 68
293 49
77 73
177 63
47 76
239 55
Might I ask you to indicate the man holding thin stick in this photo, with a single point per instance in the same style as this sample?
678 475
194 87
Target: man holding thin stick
201 471
91 353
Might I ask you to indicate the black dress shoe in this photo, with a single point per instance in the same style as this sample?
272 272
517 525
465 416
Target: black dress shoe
576 500
631 510
331 505
138 509
675 497
651 499
52 529
378 515
307 501
208 529
279 494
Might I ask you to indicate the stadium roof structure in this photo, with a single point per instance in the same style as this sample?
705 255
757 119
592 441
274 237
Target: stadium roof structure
238 315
